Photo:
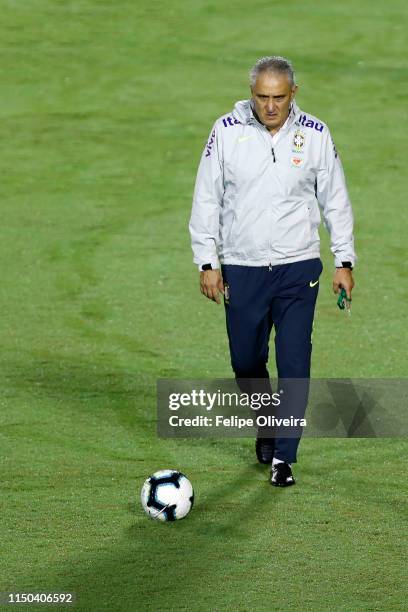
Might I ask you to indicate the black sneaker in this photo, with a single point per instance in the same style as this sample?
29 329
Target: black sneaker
281 475
265 447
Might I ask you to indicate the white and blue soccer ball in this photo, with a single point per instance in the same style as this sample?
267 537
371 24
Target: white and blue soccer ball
167 495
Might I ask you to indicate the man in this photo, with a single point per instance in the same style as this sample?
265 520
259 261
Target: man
265 171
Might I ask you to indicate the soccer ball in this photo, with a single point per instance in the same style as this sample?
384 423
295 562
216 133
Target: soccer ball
167 495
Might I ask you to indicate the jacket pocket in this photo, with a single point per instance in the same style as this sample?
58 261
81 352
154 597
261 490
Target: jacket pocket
292 231
228 227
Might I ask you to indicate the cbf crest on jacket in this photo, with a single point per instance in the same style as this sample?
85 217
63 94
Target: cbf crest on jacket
257 203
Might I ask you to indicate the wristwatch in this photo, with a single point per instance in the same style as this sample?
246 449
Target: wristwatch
206 267
345 264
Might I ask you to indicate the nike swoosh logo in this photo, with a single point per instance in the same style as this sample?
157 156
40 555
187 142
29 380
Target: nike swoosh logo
243 138
313 284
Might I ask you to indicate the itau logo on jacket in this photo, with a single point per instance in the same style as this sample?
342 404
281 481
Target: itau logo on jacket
230 121
309 123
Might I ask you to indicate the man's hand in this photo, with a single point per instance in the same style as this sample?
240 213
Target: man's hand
211 284
343 278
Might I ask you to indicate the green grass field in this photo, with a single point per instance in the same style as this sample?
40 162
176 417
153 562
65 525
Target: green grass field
105 108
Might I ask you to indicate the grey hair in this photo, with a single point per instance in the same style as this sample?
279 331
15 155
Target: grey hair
272 63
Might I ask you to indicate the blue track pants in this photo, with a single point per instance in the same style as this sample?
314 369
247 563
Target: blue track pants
283 297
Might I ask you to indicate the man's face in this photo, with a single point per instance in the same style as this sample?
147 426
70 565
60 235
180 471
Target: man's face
272 95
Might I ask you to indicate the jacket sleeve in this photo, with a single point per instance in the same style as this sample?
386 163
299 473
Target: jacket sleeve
331 193
207 199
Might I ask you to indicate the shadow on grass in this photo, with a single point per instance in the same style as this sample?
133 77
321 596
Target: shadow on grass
152 566
157 566
84 386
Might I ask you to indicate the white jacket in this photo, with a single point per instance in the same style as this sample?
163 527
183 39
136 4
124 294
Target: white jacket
256 203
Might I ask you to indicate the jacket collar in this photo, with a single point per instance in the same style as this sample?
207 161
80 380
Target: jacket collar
244 112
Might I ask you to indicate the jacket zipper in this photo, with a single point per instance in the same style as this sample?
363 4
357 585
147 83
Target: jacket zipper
274 161
270 267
